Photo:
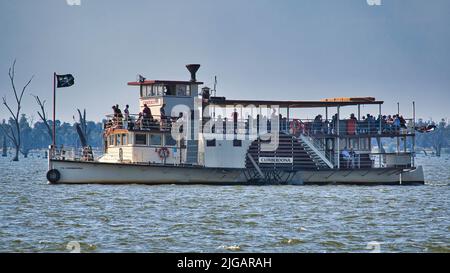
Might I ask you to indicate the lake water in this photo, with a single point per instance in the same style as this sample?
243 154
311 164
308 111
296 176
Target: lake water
37 217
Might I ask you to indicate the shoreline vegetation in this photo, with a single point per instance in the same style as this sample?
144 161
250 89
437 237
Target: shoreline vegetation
35 136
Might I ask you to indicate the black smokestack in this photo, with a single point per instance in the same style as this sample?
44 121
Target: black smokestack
193 68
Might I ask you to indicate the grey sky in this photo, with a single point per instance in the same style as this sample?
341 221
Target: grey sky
259 49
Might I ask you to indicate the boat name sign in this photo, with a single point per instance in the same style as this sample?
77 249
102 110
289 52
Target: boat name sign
277 160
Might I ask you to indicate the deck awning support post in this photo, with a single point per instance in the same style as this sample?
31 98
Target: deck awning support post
338 152
380 148
287 109
379 116
398 138
413 152
359 112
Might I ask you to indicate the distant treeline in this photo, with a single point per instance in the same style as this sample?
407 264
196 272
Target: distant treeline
37 136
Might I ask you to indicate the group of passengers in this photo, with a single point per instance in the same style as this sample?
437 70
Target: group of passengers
144 121
367 124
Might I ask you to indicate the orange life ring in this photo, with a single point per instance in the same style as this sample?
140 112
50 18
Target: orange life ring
295 126
163 153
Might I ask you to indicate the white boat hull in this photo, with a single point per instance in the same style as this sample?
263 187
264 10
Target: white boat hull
78 172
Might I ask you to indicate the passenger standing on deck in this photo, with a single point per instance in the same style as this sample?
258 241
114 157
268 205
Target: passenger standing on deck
119 116
147 112
118 112
162 116
115 116
162 112
126 112
147 116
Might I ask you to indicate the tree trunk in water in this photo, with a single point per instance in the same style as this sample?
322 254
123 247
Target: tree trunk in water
5 149
16 157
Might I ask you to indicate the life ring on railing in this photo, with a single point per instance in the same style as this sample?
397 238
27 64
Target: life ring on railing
53 175
295 126
163 153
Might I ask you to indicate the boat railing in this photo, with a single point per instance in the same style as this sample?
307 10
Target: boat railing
313 128
74 153
347 127
321 146
135 122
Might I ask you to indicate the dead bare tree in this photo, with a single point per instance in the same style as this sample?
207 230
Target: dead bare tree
42 114
13 132
83 124
82 120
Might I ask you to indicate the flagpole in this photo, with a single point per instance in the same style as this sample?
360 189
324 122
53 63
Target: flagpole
54 110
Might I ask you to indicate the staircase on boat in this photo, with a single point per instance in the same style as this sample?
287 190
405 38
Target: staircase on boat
304 155
316 151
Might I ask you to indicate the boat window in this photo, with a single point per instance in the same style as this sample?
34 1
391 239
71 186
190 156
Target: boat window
169 90
354 143
364 144
140 139
169 141
118 140
111 140
211 143
124 139
146 91
188 90
157 90
182 90
237 142
155 139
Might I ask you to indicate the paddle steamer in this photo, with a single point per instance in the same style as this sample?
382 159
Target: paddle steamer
206 139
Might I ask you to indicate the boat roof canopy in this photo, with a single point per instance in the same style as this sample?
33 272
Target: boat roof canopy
150 82
295 103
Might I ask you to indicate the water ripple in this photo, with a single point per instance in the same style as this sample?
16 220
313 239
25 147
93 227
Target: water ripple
37 217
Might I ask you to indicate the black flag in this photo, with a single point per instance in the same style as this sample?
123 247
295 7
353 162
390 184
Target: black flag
65 80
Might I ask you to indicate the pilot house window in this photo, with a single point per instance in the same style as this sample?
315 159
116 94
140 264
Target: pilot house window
155 139
140 139
169 141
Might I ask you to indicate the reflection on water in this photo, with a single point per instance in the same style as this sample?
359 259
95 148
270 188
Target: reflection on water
35 216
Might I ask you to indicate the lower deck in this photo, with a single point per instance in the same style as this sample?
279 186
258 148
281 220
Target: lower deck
82 172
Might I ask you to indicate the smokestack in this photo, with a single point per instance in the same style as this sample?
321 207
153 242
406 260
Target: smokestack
193 68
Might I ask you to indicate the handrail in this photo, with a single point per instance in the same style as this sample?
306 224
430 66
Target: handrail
138 122
242 126
73 153
321 153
